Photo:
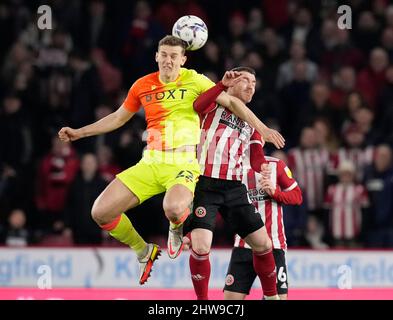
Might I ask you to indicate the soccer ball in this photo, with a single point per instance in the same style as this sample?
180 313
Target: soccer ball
192 30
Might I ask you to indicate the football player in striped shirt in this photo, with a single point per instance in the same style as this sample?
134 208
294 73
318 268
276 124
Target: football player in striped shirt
224 141
268 190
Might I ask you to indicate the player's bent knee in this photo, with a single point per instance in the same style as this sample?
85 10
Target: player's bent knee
201 249
266 244
201 246
173 211
99 215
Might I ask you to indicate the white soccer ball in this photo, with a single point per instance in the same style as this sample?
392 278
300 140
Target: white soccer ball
192 30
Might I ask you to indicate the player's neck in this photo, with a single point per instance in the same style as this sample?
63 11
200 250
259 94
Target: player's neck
167 78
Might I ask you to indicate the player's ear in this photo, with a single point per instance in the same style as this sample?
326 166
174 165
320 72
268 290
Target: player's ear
156 56
183 60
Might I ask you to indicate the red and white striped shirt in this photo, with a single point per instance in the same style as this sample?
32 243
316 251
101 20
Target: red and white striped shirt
309 167
225 141
361 158
345 202
271 210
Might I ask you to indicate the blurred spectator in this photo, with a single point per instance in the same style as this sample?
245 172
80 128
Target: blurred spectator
309 164
379 184
56 172
294 97
211 58
387 42
366 31
295 217
86 93
255 23
344 82
129 140
372 79
286 72
354 102
94 27
86 187
342 53
302 29
110 76
315 234
168 12
237 53
319 107
15 133
276 13
140 43
364 119
326 138
17 234
106 166
354 150
345 202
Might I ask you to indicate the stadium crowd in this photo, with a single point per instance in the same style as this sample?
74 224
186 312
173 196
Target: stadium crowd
329 91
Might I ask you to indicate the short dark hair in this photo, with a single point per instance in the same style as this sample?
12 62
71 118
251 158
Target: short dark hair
246 69
173 41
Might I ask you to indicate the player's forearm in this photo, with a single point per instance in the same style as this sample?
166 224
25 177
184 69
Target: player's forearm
240 109
109 123
293 197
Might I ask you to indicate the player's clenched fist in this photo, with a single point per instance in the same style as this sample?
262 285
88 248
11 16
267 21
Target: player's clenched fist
69 134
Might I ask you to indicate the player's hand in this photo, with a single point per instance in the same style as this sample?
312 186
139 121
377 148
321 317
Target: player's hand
231 78
267 186
68 134
266 171
273 136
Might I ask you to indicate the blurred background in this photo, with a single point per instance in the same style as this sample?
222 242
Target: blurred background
328 91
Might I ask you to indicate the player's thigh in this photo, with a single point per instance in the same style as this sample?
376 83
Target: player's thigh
115 199
205 206
243 220
141 180
282 275
240 274
181 173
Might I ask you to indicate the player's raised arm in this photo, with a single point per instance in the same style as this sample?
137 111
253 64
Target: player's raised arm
204 104
236 106
109 123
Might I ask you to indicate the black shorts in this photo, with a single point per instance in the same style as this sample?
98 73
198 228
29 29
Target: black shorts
241 274
228 197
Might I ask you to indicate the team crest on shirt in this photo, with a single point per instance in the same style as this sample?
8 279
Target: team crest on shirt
200 212
229 280
153 87
288 172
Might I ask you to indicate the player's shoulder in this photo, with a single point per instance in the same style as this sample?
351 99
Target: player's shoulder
192 74
146 79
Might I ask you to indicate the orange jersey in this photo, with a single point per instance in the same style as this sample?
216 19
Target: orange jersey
171 119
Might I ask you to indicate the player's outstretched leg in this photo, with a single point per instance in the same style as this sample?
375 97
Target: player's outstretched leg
117 198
